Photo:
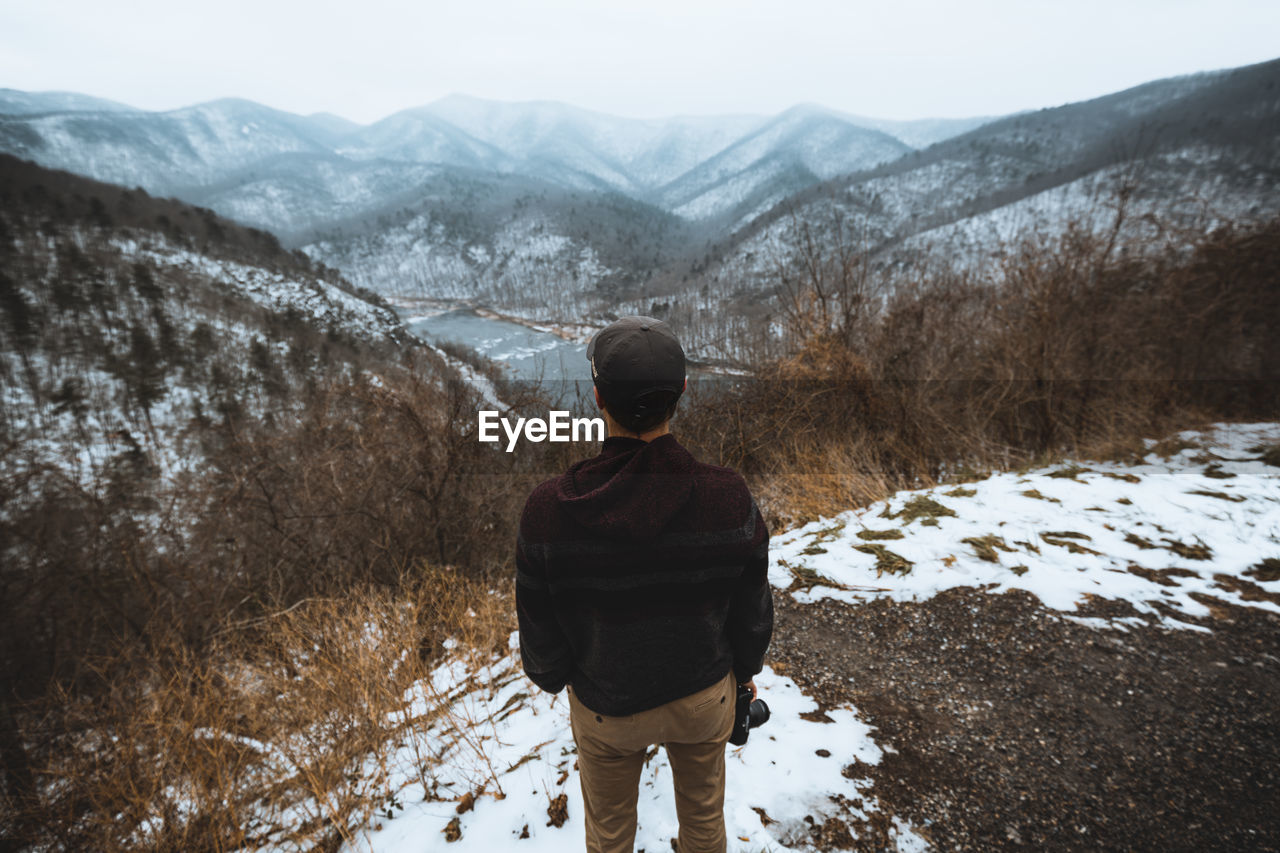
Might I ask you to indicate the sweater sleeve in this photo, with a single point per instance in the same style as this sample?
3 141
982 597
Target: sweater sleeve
751 607
544 650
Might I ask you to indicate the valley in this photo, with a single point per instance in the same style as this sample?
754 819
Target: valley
564 216
1003 387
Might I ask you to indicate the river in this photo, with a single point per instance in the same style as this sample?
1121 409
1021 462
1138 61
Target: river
528 353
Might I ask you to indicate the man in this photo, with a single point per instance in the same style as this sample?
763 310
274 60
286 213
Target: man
642 586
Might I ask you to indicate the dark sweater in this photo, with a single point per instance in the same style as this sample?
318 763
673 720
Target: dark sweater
642 577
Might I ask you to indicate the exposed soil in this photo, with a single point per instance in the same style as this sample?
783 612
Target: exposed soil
1018 729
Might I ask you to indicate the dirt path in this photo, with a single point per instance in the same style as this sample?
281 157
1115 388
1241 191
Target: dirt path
1018 729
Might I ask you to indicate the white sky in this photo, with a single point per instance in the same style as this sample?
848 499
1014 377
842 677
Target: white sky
365 59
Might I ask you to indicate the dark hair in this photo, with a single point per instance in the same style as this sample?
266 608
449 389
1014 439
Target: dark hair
642 412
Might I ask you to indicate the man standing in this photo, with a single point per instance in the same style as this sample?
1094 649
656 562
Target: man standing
642 585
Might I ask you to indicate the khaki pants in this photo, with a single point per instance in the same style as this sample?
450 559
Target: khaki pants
611 754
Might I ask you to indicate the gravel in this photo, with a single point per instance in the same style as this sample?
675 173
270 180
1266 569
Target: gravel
1012 727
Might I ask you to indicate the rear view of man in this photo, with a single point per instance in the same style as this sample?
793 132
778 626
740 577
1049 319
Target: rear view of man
642 586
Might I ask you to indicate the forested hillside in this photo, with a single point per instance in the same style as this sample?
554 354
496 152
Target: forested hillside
1201 145
559 214
132 324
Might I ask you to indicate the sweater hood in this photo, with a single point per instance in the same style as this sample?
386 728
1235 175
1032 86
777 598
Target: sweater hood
631 490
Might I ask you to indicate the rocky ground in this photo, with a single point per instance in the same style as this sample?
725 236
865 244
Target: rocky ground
1010 726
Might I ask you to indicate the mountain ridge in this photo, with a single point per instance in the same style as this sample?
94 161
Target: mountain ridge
1037 151
488 199
183 150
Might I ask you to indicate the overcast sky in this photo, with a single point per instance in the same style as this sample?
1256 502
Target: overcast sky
365 59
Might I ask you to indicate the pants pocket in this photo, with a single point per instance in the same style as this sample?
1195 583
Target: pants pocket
718 699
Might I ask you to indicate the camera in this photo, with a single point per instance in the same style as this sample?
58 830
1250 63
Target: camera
748 714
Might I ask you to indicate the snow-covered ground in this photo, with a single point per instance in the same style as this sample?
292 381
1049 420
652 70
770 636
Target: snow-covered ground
1153 534
518 749
1195 515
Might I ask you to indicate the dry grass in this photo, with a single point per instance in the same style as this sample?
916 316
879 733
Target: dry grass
810 482
1067 347
236 675
281 734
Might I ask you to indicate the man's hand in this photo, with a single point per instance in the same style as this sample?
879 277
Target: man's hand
752 685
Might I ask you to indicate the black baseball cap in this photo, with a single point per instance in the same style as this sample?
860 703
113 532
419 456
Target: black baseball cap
637 364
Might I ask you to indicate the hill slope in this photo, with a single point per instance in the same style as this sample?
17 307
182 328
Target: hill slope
410 204
1209 138
130 324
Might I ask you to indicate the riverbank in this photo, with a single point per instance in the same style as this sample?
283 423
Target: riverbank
576 333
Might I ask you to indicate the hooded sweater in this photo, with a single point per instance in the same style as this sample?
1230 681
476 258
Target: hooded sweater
642 577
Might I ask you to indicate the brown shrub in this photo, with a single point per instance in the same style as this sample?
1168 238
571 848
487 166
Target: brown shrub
1068 346
279 733
151 649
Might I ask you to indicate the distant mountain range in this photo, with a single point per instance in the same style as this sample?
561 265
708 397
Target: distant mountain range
1202 150
546 209
240 157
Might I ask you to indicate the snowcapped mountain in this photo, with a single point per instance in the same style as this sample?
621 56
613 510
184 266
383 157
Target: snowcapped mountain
430 182
632 155
417 136
16 102
320 180
798 148
1207 145
470 197
245 159
697 167
168 152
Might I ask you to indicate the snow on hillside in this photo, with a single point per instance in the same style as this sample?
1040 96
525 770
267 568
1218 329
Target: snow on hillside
17 102
942 207
323 304
628 153
1195 517
803 138
875 210
417 136
526 260
418 258
160 151
1158 533
84 438
296 195
1198 189
732 189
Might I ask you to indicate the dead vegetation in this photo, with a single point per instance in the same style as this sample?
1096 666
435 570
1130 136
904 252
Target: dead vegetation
1064 346
1266 571
985 547
233 672
279 735
886 560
